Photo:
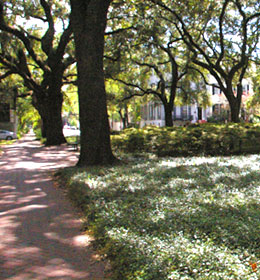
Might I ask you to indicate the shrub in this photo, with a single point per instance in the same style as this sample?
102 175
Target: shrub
206 139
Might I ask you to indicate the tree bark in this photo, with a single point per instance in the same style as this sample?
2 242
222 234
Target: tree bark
234 102
89 23
49 108
235 111
48 99
168 115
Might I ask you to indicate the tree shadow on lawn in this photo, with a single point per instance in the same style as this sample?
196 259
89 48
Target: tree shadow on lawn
208 201
202 175
232 231
211 204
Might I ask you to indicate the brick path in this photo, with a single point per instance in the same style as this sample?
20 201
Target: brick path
40 234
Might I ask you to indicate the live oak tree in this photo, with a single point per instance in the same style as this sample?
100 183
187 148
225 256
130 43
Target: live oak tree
125 111
115 36
156 62
89 18
223 38
33 47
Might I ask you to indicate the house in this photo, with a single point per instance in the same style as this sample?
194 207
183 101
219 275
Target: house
152 113
220 104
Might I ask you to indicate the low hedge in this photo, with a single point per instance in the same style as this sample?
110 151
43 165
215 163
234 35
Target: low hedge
203 139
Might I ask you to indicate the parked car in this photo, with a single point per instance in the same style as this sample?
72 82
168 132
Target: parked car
69 131
7 135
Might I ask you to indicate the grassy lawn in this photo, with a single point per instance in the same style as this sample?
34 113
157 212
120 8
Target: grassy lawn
174 218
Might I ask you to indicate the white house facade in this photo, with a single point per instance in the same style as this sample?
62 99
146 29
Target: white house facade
152 113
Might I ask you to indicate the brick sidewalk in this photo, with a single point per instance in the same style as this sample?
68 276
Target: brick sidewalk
39 229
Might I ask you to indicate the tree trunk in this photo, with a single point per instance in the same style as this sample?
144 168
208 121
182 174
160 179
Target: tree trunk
126 117
234 103
124 122
49 108
168 115
89 22
235 110
43 130
123 118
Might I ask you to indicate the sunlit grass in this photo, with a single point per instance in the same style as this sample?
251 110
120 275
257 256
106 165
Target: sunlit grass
174 218
7 142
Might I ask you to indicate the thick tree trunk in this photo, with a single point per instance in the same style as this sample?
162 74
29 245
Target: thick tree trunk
49 109
43 130
235 111
48 102
234 103
89 22
168 115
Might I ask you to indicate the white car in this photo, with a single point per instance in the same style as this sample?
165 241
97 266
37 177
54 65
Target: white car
69 131
7 135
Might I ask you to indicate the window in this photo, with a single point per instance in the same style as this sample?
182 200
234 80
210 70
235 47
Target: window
184 112
144 112
174 113
159 110
246 89
218 108
151 112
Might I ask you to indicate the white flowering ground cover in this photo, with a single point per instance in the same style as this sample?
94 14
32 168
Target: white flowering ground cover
168 218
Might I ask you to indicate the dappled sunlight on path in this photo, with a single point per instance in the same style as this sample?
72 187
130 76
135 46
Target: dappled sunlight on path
40 234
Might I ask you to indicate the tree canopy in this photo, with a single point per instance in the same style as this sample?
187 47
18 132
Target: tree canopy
223 38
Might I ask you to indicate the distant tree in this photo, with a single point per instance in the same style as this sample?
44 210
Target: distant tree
28 116
13 92
222 36
39 55
127 112
253 103
89 18
156 62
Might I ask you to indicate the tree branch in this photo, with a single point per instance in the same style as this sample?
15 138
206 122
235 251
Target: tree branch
47 39
7 74
21 36
221 19
143 91
113 32
64 40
